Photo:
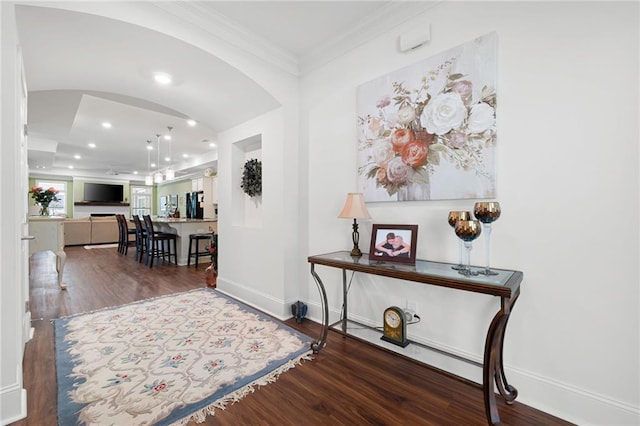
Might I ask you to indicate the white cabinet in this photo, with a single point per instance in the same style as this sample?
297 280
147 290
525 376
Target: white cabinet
48 232
49 235
197 184
214 190
209 187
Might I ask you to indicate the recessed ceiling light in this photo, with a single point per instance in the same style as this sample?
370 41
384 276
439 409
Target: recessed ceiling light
212 144
167 137
135 172
106 124
167 159
71 167
153 164
91 145
77 157
191 122
185 155
149 147
162 78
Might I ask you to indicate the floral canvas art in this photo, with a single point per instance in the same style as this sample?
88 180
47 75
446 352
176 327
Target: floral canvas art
428 131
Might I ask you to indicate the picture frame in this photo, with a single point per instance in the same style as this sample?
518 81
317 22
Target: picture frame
401 250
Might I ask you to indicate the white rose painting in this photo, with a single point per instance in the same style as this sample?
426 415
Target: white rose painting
428 131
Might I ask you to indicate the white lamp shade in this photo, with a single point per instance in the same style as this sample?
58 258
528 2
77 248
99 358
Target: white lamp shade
170 174
354 207
148 180
157 178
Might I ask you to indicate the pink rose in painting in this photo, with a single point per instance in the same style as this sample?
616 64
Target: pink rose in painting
372 127
463 88
375 124
406 115
481 118
457 139
381 175
397 171
382 152
400 138
444 113
414 154
384 102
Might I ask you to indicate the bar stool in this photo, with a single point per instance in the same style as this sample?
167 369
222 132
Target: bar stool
155 243
141 238
123 236
197 238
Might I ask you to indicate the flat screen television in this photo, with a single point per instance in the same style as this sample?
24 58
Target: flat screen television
103 192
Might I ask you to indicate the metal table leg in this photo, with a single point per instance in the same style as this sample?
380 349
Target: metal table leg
344 301
493 368
320 343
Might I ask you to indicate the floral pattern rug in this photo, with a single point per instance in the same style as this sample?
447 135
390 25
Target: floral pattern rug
168 360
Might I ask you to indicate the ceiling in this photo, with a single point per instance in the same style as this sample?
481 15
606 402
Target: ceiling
83 69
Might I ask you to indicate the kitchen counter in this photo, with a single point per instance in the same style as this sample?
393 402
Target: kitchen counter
183 227
182 220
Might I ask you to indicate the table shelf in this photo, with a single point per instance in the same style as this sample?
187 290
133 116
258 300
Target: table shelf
506 285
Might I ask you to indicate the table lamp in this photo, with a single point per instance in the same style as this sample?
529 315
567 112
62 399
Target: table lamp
354 208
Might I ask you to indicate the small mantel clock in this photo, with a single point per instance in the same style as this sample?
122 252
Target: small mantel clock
394 326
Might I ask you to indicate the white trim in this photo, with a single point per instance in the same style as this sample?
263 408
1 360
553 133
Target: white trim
13 400
539 392
267 303
231 33
387 17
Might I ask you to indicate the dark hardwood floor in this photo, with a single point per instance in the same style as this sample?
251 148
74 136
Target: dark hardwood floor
347 383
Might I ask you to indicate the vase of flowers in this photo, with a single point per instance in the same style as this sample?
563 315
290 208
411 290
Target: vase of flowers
44 197
211 273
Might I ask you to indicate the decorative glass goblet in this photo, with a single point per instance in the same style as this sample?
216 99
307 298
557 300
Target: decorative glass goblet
487 213
467 231
455 216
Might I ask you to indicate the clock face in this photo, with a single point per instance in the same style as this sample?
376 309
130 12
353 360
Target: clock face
392 318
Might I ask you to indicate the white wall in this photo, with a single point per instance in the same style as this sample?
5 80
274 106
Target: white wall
567 168
13 397
268 280
255 262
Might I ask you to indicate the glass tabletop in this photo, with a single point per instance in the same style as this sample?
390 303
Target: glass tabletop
421 269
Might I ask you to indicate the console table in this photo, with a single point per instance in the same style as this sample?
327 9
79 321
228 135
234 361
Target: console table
505 285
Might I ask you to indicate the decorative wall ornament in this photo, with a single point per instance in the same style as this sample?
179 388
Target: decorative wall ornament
428 131
252 178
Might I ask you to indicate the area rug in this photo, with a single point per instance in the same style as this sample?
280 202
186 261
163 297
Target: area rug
97 246
168 360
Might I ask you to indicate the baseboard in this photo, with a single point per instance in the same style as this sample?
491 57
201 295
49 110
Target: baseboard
13 404
263 301
571 403
551 396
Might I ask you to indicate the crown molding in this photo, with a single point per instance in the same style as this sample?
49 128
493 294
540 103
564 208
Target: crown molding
231 33
392 15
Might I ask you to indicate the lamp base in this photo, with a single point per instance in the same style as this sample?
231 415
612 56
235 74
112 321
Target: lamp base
355 252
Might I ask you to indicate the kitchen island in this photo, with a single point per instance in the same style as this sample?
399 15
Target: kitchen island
183 227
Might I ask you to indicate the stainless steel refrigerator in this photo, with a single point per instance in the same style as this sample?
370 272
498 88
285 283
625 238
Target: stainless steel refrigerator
194 204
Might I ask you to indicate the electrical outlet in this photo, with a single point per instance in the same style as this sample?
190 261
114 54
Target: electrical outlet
412 307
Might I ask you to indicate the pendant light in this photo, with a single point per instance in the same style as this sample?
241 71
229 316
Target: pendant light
157 177
148 179
170 174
